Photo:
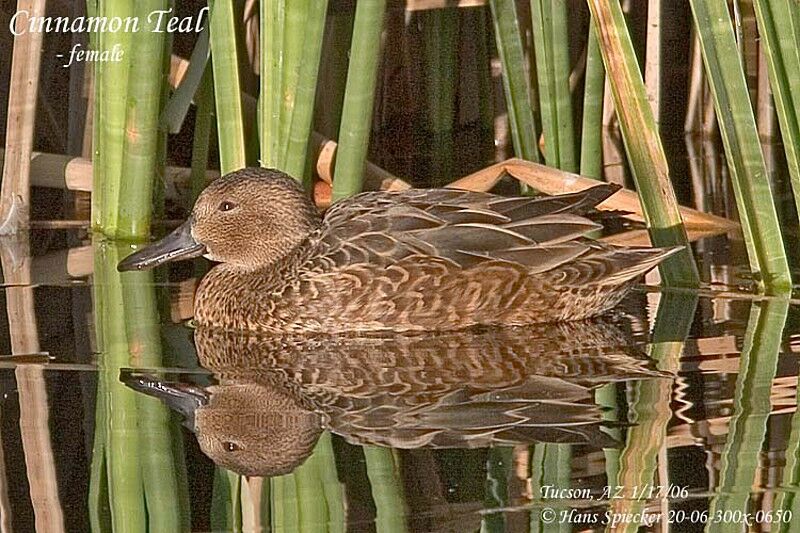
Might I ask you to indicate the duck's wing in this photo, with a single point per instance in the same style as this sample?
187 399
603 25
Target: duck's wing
465 418
462 227
610 265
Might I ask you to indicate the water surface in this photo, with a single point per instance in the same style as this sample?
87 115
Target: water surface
678 411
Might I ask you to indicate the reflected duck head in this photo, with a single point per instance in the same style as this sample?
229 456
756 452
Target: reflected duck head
251 429
247 219
256 430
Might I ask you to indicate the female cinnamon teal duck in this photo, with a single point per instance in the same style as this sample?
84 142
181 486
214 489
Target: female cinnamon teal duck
426 259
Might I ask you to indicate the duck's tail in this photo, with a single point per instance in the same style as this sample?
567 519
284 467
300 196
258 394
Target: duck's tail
633 262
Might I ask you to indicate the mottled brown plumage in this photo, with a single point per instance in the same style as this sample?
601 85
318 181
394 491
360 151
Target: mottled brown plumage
460 389
417 260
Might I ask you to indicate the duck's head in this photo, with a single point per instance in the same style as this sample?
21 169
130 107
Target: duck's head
249 218
254 429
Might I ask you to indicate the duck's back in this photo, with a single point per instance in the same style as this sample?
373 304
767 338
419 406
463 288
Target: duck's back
464 228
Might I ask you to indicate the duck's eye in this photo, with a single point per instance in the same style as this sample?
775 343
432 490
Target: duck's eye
227 206
231 446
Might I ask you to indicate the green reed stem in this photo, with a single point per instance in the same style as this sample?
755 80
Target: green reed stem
550 465
592 129
515 79
99 515
264 505
159 187
362 77
294 38
94 8
387 489
227 87
498 469
649 410
180 101
312 509
747 430
606 399
140 146
226 506
284 493
440 36
277 509
551 44
642 142
203 126
110 114
161 470
331 487
123 447
673 322
99 519
309 498
277 67
779 30
296 145
164 492
268 82
638 460
788 500
737 125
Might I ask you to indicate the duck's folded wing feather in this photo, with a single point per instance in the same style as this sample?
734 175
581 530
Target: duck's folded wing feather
611 264
462 227
439 202
537 258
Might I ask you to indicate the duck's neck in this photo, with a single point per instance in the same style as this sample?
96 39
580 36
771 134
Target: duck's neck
284 268
230 296
239 282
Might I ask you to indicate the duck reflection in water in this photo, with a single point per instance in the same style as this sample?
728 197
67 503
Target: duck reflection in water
469 389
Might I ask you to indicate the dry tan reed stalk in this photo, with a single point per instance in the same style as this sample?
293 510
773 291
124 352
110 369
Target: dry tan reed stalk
33 404
653 63
696 87
22 96
5 503
553 181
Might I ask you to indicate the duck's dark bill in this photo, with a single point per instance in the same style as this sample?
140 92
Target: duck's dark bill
182 397
177 245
